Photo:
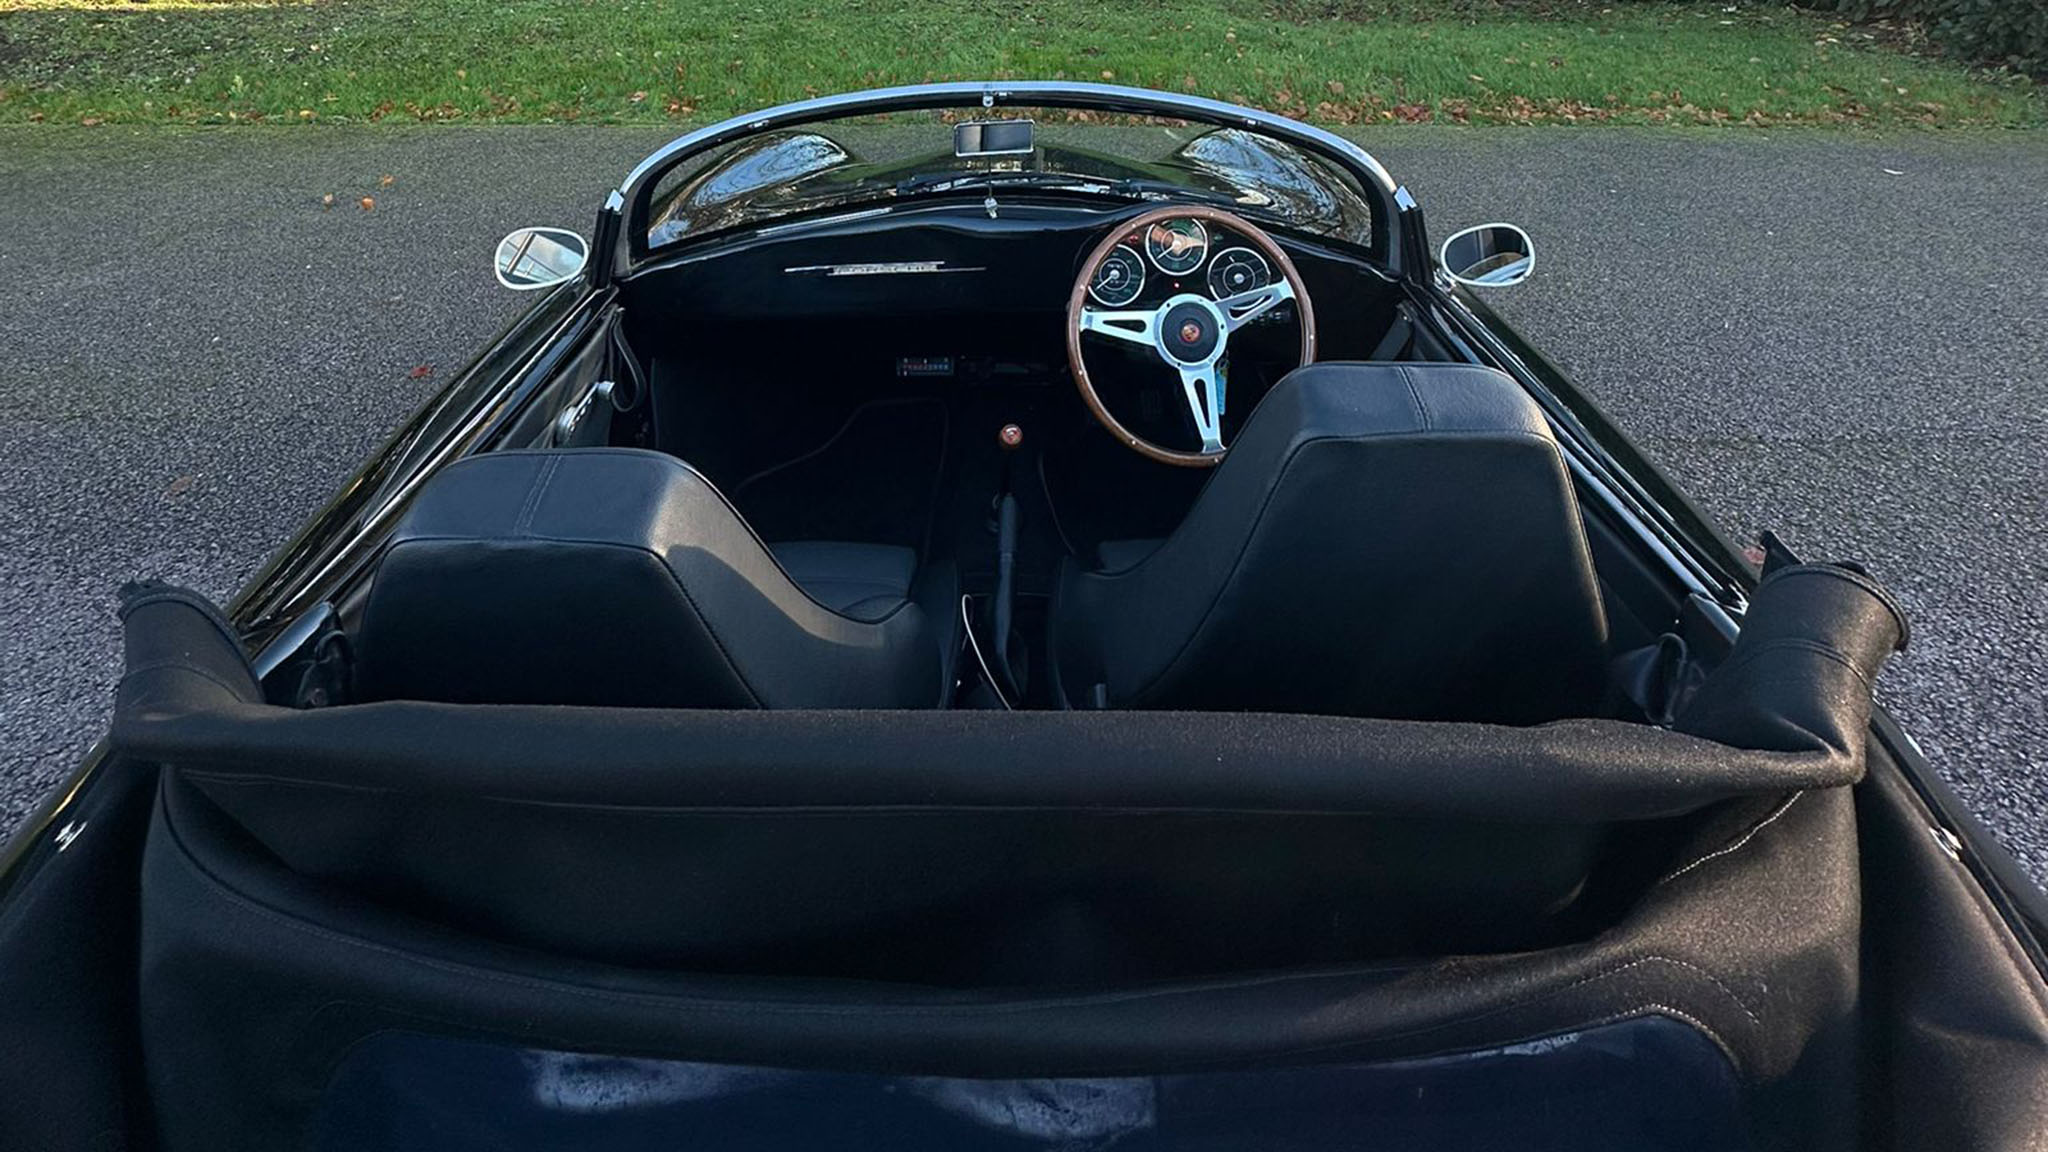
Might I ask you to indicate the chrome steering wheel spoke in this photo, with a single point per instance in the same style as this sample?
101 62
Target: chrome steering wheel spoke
1244 307
1186 325
1203 386
1135 326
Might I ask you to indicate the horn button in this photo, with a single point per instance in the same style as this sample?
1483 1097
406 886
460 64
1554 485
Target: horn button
1190 331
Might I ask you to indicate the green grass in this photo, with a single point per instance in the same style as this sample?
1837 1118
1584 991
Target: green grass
94 61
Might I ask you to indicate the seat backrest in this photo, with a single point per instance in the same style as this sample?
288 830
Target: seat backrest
1389 540
614 576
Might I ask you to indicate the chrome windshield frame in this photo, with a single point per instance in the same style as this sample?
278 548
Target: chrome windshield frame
636 191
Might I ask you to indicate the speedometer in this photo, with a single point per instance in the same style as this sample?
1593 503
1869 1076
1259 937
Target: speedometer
1119 278
1177 247
1238 270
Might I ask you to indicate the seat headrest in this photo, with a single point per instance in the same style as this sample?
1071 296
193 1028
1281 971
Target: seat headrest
610 577
1440 403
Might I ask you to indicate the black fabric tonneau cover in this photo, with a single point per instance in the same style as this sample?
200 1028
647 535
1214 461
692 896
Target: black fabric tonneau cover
731 886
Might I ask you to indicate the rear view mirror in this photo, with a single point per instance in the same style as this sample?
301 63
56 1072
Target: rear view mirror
531 258
1489 256
992 138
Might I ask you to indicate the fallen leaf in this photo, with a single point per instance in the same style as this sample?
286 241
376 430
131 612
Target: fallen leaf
386 181
636 97
368 203
94 121
421 372
180 486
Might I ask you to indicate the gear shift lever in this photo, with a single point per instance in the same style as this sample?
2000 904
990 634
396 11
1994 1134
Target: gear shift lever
1009 438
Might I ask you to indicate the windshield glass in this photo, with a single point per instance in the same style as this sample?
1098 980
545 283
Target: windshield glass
874 161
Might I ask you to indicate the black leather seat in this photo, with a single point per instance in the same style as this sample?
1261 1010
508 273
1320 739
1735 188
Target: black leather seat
621 577
1389 540
864 581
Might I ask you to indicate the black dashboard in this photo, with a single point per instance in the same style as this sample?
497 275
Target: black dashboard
951 258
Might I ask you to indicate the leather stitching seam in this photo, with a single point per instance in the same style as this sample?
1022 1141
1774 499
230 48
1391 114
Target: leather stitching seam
1738 843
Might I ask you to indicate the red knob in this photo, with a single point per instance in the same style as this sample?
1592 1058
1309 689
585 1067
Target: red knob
1010 436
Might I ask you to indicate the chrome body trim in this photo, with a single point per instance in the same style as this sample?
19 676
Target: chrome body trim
288 642
1594 471
882 268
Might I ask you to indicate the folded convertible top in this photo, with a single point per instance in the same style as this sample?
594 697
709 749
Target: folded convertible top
1787 710
993 894
776 841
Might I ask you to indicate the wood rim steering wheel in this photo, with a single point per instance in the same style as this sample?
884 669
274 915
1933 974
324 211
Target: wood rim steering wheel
1189 331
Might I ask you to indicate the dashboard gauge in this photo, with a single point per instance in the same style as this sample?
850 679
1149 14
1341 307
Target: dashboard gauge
1177 247
1119 278
1238 270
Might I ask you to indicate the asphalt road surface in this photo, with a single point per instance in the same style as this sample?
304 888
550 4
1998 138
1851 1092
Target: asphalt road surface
1843 337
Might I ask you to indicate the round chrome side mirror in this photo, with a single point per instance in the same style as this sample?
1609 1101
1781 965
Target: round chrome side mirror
1488 256
531 258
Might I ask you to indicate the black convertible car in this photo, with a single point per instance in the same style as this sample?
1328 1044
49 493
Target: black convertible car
1034 616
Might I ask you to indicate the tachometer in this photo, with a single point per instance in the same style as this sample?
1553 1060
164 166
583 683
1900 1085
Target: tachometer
1238 270
1119 278
1177 247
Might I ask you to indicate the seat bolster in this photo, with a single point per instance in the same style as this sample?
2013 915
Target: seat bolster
1118 555
864 581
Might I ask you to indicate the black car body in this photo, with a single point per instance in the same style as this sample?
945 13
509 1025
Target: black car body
1429 772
